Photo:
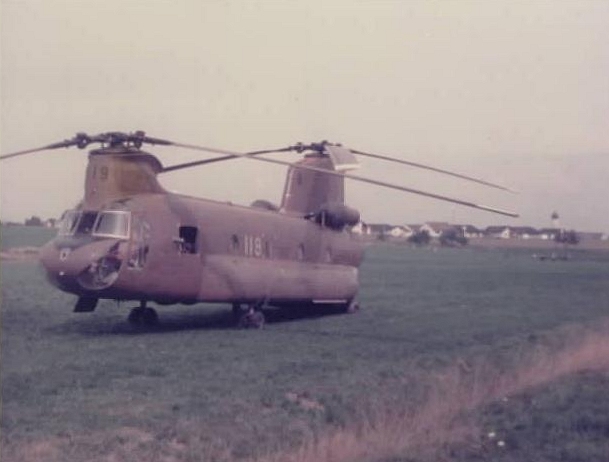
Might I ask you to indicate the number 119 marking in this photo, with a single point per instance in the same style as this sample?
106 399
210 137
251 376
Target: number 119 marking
252 246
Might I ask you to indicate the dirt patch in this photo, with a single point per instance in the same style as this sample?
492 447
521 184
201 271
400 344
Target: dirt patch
304 401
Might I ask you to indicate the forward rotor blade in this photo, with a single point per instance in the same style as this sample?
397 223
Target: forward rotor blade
82 140
61 144
231 154
427 167
196 163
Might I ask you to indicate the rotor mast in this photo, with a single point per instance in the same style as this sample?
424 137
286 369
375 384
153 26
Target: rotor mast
116 170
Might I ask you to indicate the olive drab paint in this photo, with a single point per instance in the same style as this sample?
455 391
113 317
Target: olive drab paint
116 173
307 191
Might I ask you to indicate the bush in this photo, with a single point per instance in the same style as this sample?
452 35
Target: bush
453 237
33 221
420 238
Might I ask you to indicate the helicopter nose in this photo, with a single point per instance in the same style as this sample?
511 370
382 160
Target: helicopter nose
90 266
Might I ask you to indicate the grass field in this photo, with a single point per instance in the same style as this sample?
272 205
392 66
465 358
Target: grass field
456 355
24 236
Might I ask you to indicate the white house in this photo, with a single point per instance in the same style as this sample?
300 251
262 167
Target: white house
400 232
435 228
498 232
470 231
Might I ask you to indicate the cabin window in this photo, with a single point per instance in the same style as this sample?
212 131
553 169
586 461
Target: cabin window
112 224
188 239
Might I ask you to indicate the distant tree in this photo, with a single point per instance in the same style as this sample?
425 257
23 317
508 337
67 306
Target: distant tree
33 221
452 237
420 238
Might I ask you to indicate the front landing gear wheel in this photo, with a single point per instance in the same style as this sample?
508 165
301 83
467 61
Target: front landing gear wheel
143 316
150 317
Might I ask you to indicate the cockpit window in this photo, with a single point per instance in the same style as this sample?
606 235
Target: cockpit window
68 222
112 223
86 222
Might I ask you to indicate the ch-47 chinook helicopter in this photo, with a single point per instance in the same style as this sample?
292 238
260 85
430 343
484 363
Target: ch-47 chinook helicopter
130 239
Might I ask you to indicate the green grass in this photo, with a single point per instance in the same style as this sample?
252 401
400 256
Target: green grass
89 387
24 236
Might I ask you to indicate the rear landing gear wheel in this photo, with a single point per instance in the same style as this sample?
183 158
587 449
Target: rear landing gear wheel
351 307
135 316
238 311
251 318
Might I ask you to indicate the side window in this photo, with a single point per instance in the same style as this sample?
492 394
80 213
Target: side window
68 222
300 253
328 255
188 239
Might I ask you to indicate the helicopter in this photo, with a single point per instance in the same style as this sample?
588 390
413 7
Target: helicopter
129 239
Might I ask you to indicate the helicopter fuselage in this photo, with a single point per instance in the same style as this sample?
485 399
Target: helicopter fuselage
170 248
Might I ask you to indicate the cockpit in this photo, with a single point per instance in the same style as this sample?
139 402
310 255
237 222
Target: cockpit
106 223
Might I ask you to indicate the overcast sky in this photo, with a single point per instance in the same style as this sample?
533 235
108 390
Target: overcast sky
515 92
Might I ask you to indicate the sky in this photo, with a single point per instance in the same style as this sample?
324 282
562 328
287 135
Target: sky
514 92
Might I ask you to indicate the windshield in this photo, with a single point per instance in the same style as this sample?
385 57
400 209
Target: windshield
115 224
85 223
108 224
68 222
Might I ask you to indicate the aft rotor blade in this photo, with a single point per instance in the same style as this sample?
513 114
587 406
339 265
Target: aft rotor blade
300 147
432 195
344 175
427 167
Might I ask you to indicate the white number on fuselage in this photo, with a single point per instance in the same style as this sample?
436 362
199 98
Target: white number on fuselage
252 246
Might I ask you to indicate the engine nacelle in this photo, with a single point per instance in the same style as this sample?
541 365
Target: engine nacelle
264 204
336 216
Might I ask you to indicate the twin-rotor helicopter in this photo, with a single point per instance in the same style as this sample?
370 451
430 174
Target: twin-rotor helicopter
129 239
